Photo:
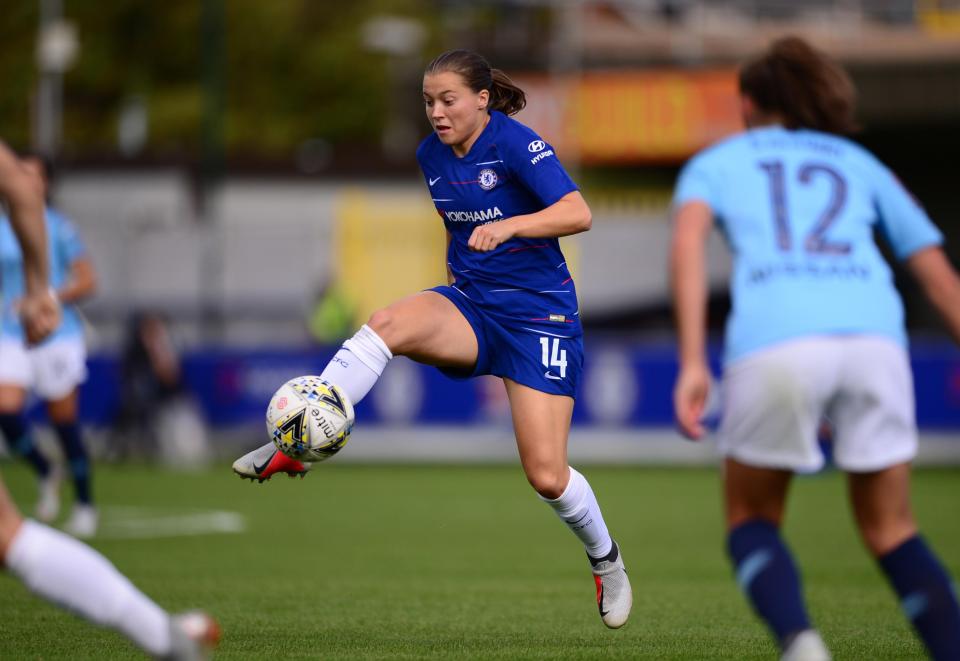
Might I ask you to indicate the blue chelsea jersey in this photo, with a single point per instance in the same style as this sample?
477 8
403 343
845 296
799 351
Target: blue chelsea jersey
64 247
509 171
798 209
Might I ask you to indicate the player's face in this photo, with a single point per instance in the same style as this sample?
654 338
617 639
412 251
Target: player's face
456 112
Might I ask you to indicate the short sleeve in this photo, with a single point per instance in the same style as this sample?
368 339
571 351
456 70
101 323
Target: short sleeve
699 180
536 165
903 221
422 158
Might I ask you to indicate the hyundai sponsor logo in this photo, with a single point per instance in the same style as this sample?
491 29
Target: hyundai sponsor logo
539 157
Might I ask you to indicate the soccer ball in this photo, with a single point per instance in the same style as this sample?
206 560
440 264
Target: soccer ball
309 419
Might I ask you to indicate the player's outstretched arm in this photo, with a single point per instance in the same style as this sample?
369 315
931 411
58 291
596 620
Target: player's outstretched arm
568 215
940 284
688 282
24 196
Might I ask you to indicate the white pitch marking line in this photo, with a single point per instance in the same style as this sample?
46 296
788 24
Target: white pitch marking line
148 523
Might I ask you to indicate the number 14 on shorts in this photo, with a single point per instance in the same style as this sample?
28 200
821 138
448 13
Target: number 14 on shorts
553 357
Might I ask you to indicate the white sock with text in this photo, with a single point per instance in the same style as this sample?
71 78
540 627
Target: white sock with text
578 508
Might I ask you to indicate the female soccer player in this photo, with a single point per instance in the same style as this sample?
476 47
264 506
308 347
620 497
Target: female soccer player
55 566
510 308
816 330
54 368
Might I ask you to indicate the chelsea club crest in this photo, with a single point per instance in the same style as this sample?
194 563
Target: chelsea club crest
487 179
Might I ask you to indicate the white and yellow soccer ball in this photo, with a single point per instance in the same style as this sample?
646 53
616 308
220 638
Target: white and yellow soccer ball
309 419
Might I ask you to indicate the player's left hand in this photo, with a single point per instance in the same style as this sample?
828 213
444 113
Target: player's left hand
690 399
487 237
40 314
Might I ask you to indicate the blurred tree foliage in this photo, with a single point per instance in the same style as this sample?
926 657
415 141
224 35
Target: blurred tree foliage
292 70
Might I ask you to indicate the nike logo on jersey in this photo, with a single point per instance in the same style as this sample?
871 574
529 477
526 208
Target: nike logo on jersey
551 376
433 181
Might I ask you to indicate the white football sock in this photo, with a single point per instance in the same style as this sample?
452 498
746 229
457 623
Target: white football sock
71 574
358 364
578 508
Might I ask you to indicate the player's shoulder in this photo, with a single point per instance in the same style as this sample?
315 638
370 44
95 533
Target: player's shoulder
512 133
715 155
428 147
858 152
848 157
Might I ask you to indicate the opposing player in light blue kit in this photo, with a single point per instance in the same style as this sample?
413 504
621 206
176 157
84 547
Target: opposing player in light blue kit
816 330
52 565
53 369
510 308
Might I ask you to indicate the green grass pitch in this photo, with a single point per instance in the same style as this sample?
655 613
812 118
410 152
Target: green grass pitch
438 562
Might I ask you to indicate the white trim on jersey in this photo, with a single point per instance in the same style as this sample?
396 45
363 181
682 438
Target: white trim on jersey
489 162
461 291
534 330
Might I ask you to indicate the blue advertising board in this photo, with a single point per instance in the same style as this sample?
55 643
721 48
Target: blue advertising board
625 384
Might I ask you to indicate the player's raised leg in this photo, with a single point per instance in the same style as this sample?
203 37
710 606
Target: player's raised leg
542 425
765 570
72 575
426 327
881 505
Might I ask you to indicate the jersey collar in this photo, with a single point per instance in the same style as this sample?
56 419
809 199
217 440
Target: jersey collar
483 140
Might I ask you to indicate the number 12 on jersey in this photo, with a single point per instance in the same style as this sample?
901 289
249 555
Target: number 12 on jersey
555 357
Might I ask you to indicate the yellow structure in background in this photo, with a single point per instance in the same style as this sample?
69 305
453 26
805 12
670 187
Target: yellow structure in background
939 17
390 244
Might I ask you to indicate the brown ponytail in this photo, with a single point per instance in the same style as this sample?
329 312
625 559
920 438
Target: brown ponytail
505 96
802 85
476 72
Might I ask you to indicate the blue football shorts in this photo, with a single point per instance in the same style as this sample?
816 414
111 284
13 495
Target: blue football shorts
543 360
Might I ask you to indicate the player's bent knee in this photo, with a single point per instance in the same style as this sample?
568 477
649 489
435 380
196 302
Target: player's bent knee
880 539
548 482
388 327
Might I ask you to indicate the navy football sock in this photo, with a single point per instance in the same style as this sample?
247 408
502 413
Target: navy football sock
767 575
14 428
926 596
72 444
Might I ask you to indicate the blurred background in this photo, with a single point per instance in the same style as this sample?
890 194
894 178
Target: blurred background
243 175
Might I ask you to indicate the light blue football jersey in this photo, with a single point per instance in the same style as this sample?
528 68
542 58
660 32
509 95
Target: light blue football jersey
798 209
508 171
65 247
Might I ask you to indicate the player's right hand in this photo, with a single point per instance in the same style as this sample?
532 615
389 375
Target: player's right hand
690 399
40 315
